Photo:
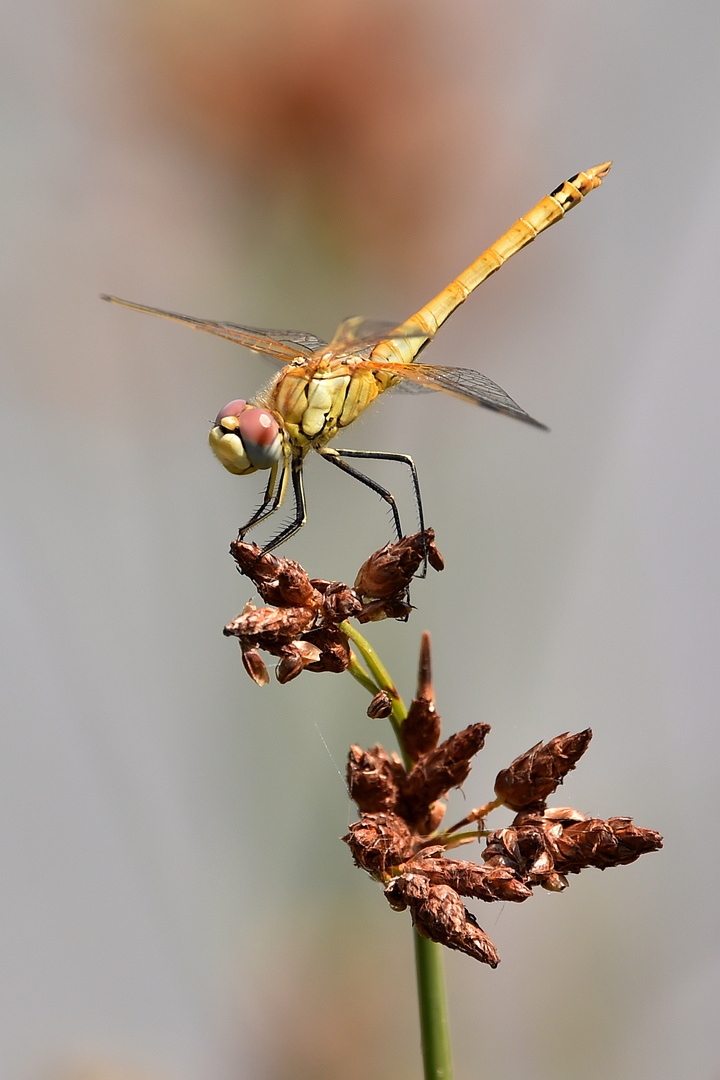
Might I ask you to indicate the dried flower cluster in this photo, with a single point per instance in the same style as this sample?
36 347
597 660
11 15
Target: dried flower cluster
398 843
299 623
398 839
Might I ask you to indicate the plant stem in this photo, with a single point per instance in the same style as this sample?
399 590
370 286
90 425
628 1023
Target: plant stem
432 1003
434 1030
383 680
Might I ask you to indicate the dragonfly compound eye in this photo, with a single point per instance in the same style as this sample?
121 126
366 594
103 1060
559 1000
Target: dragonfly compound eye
261 437
245 438
231 412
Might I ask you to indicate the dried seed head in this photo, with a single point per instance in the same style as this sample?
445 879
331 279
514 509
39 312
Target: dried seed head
255 666
271 626
332 647
379 842
292 588
380 707
470 879
536 774
599 843
542 851
436 772
250 557
339 601
281 582
421 728
373 778
503 849
438 913
388 572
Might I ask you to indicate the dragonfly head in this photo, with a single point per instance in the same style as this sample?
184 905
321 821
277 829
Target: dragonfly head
245 438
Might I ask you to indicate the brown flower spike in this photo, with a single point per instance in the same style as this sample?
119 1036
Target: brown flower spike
299 622
397 840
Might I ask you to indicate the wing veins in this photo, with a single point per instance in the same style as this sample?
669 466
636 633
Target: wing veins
466 384
283 345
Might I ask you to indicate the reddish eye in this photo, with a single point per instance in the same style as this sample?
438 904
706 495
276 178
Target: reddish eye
258 426
261 437
233 408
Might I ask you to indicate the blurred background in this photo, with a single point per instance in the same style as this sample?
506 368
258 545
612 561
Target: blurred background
176 903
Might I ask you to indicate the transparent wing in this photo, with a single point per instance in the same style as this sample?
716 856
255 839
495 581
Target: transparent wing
462 383
284 345
359 331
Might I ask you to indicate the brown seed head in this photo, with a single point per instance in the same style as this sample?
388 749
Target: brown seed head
333 649
471 879
282 582
380 707
379 842
388 572
255 666
537 773
438 913
421 728
270 626
436 772
543 850
599 843
339 601
373 778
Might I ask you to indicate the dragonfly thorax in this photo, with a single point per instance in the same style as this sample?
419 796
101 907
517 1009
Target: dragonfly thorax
315 406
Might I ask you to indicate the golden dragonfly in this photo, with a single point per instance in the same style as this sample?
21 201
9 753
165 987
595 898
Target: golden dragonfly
324 386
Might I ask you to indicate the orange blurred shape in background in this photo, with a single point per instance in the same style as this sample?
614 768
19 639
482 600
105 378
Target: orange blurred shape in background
344 109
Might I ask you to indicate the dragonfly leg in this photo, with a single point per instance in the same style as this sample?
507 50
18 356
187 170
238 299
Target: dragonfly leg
300 509
273 497
382 455
335 457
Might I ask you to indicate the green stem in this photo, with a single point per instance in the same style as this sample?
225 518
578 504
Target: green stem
434 1031
358 672
384 682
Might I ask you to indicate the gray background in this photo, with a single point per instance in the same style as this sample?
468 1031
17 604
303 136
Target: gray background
175 903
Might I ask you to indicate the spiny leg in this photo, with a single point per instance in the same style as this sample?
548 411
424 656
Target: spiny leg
334 456
300 509
272 499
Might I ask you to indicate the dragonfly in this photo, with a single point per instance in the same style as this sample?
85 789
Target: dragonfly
323 386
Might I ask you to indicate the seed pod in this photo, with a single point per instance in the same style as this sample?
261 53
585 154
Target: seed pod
441 769
379 842
373 777
534 775
380 707
438 913
255 666
421 728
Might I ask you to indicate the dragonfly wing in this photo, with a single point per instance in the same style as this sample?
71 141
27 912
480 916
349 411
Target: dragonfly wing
284 345
359 331
463 383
